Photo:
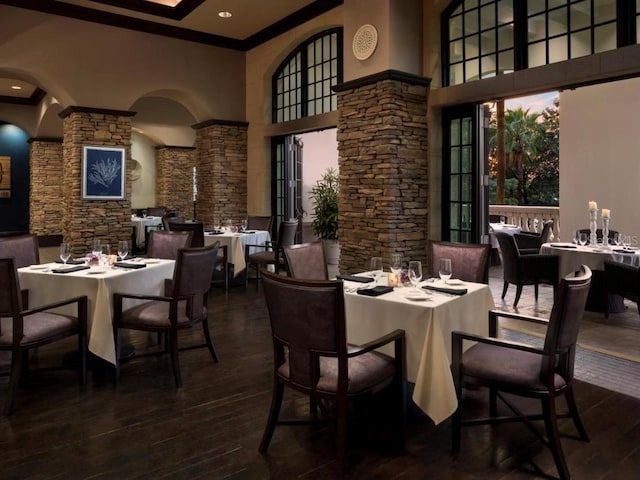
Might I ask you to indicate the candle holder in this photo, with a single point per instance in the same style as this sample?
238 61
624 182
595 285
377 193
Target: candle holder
605 232
593 226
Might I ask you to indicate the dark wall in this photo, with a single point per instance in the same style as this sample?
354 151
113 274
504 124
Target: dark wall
14 211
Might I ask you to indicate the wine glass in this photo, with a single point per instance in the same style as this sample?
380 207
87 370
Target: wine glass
105 251
243 225
396 265
576 237
65 252
626 241
96 248
376 268
415 273
615 239
503 219
123 249
583 239
445 269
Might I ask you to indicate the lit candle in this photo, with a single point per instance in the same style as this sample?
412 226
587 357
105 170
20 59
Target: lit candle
606 213
593 205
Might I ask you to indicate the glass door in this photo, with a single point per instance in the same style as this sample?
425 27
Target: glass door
286 191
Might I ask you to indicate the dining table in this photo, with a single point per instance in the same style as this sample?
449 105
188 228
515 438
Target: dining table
571 256
98 283
235 243
140 226
428 318
501 227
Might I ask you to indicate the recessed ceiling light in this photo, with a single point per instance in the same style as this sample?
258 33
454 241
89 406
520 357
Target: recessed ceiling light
224 14
16 87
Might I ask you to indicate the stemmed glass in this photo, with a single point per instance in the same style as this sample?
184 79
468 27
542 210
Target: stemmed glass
583 239
123 249
376 268
105 251
96 249
415 273
445 269
65 252
626 241
576 237
243 225
396 266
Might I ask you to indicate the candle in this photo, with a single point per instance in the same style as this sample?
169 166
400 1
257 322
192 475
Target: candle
606 213
593 205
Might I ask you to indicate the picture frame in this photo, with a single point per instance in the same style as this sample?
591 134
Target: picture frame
103 173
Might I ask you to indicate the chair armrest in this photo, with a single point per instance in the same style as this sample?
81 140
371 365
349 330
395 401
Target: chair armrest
395 336
457 337
266 245
159 298
50 306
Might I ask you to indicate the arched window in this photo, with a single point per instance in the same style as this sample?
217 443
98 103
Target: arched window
302 84
484 38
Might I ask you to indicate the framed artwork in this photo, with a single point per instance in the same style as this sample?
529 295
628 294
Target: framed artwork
5 177
103 173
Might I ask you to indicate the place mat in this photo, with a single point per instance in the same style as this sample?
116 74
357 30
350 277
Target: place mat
129 265
77 261
375 291
451 291
355 278
77 268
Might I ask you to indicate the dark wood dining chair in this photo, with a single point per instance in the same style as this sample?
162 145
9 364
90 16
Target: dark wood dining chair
23 248
530 242
311 356
621 279
306 261
23 329
167 244
526 371
469 261
272 252
183 305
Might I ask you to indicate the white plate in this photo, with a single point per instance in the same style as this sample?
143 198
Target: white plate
454 281
151 261
416 296
38 267
96 271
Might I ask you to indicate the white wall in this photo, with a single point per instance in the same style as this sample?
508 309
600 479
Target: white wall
599 150
319 152
143 190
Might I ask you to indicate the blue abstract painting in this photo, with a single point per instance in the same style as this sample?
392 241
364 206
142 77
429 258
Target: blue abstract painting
103 173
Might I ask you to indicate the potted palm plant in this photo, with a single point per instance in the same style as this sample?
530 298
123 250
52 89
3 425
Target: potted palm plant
324 197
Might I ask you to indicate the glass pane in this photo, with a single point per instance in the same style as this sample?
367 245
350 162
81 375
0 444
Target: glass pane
326 70
455 236
604 10
318 52
466 159
326 48
311 110
581 44
455 74
505 62
466 188
469 4
454 216
558 22
537 29
535 6
326 104
471 49
466 216
455 27
487 17
488 42
537 55
311 77
455 51
505 37
488 66
455 132
471 22
472 70
605 38
455 160
455 187
557 3
505 12
334 45
558 49
580 15
466 131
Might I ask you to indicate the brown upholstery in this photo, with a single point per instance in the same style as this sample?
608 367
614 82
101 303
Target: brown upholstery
156 211
530 242
621 279
517 369
469 261
23 248
166 219
255 222
166 244
312 357
273 251
307 261
521 270
22 329
196 229
183 305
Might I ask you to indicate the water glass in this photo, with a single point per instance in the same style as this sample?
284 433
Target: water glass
105 251
445 269
396 265
376 268
123 249
65 252
503 219
96 249
583 239
415 273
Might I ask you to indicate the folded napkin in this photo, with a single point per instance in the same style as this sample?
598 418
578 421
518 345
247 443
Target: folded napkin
77 261
355 278
214 232
129 265
375 291
451 291
70 269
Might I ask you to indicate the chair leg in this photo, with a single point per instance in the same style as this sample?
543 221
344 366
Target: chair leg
504 289
116 343
553 437
573 411
207 336
14 379
518 293
274 411
173 341
493 402
341 405
535 291
82 351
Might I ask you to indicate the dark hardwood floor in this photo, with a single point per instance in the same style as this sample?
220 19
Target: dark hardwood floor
143 427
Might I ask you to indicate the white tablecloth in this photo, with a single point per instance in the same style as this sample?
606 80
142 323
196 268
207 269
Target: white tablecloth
572 258
235 243
46 287
499 227
428 325
140 223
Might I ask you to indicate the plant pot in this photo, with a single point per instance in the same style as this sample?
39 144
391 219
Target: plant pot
331 251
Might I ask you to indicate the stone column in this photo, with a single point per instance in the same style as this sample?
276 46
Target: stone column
221 162
384 177
45 197
174 186
84 220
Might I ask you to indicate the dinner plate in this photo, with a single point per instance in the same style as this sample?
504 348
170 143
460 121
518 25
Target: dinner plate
38 267
151 261
416 296
454 281
96 271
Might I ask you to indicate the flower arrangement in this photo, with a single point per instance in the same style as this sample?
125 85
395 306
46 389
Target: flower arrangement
94 259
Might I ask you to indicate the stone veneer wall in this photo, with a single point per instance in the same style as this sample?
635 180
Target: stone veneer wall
45 197
84 220
384 177
221 162
174 190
